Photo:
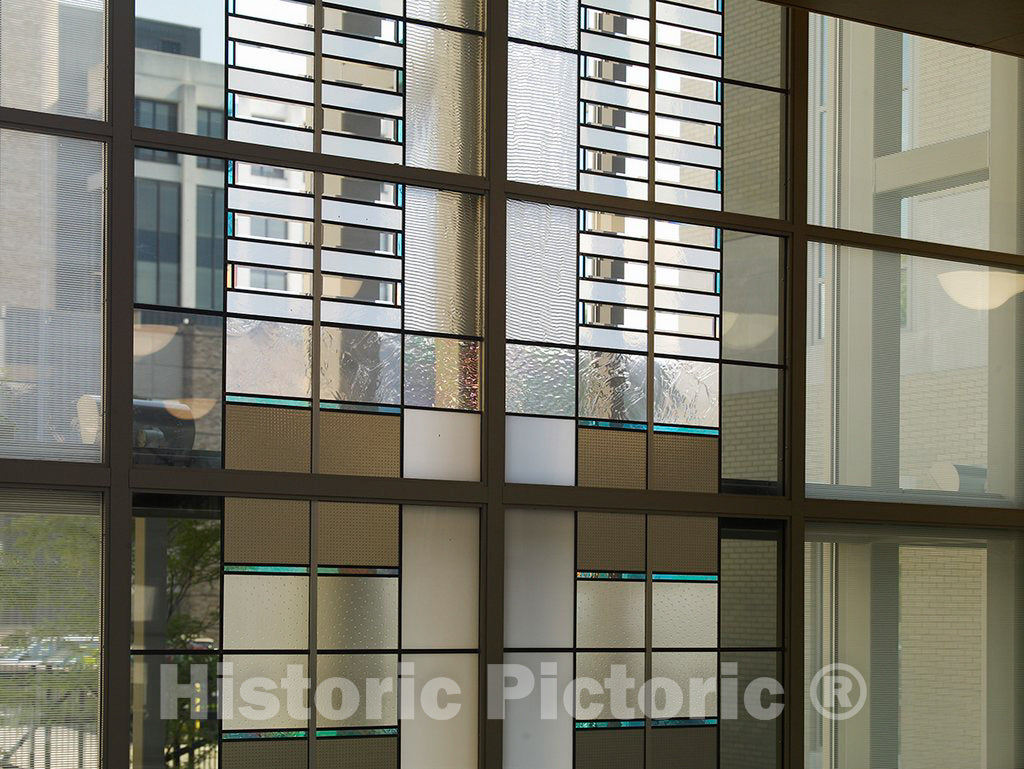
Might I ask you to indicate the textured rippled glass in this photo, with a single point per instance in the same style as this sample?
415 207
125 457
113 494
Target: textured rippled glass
357 612
612 386
542 116
51 297
265 611
468 14
609 613
541 263
360 365
684 615
552 22
685 392
53 57
444 273
444 100
540 380
750 297
268 358
442 373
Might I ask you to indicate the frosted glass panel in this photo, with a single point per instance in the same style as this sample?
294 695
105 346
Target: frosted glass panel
529 740
51 298
265 611
750 306
443 744
440 577
552 22
612 386
444 100
697 674
275 667
598 666
686 392
442 373
539 450
540 380
357 612
542 116
539 574
360 365
541 263
443 281
357 668
441 444
53 57
268 358
609 613
685 615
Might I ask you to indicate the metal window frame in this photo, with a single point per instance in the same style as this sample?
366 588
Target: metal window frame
117 479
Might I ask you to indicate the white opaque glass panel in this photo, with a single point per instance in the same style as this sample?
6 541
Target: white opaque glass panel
361 314
612 185
362 214
541 259
614 47
441 444
687 257
437 743
542 116
267 32
687 302
540 450
271 306
613 339
607 93
363 50
367 101
696 673
615 141
684 615
266 611
529 740
602 291
690 62
688 153
689 17
244 667
260 133
363 149
270 254
682 196
678 107
539 573
681 345
609 613
270 85
693 280
440 577
361 264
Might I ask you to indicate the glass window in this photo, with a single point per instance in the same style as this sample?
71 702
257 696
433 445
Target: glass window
52 297
53 57
161 115
919 628
913 137
51 572
912 386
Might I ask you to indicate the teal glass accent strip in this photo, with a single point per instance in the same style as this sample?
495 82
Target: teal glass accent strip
400 132
231 217
329 571
687 430
274 734
634 576
718 284
609 724
361 407
401 187
267 401
254 569
384 731
684 722
610 424
684 577
231 177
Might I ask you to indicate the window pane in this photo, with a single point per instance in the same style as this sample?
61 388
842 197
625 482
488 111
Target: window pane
53 57
929 619
913 137
52 258
50 581
919 361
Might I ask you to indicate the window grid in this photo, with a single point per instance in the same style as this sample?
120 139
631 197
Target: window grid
117 477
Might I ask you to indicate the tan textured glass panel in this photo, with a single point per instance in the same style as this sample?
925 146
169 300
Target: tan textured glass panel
266 531
698 744
749 592
684 463
249 754
609 614
272 666
357 534
752 123
611 458
684 615
332 712
749 742
610 541
598 665
266 438
610 749
360 444
682 545
753 37
357 612
265 611
357 753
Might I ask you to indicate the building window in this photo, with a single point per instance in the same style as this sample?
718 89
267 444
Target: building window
209 247
210 122
157 241
161 115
